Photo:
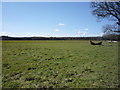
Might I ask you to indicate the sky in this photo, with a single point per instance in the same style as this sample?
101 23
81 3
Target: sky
50 19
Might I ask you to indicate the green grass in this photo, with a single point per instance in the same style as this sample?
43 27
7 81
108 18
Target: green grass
59 64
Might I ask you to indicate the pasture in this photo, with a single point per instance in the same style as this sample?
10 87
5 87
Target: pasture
59 64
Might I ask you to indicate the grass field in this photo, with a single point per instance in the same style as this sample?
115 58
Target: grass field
59 64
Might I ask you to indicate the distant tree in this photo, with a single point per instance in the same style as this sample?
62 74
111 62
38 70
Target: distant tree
110 31
109 28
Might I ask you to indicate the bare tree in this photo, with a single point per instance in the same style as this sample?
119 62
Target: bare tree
109 10
110 31
109 28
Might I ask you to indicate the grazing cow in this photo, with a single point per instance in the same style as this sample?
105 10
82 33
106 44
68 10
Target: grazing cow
92 43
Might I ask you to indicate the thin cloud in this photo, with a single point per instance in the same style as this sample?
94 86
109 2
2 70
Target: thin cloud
86 29
4 33
83 33
56 30
61 24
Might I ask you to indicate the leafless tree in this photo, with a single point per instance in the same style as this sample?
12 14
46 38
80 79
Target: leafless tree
110 31
109 10
109 28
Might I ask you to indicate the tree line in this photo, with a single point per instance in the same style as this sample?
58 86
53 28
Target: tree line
114 38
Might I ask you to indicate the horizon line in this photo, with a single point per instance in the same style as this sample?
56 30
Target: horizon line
48 36
60 1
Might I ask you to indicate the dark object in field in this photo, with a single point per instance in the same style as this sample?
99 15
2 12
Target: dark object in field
35 60
92 43
29 79
87 70
47 59
31 68
69 80
70 74
13 74
5 65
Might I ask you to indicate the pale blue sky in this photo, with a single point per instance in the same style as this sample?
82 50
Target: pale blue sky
50 19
